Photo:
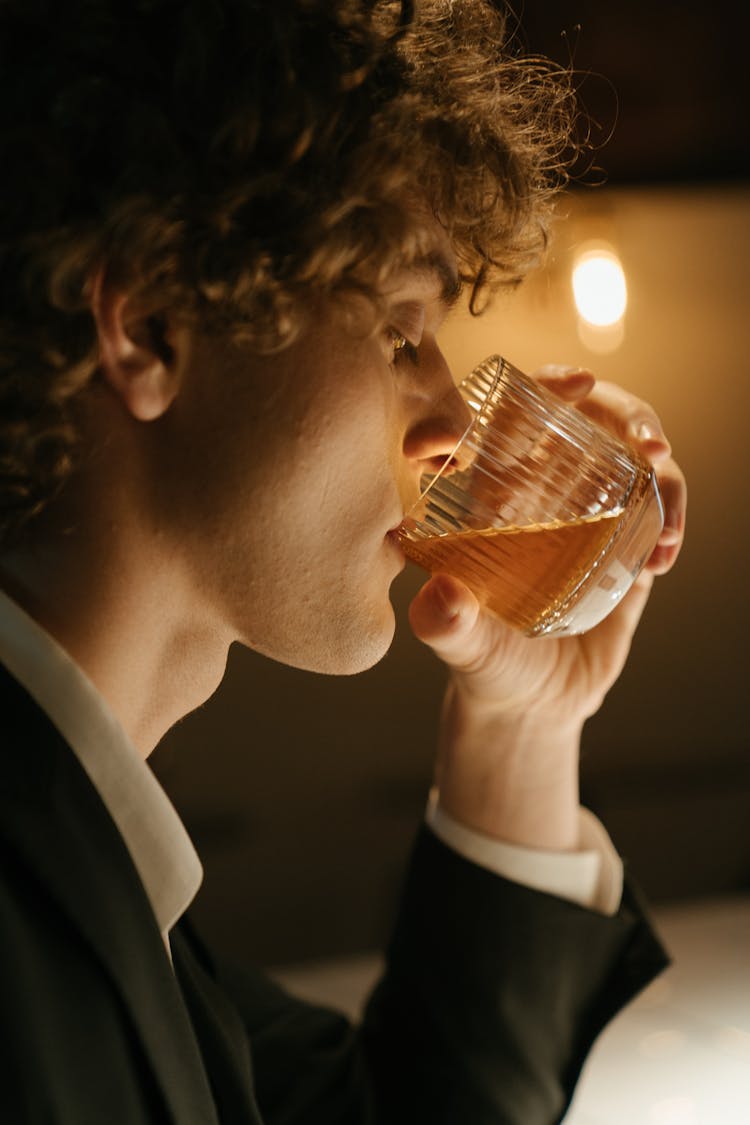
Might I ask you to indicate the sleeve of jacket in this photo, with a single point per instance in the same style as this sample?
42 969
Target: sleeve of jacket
492 996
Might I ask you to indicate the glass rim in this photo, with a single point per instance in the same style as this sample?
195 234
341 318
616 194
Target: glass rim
500 365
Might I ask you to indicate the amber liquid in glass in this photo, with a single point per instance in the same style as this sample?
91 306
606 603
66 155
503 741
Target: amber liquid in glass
523 574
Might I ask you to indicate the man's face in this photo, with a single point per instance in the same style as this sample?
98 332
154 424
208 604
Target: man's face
294 468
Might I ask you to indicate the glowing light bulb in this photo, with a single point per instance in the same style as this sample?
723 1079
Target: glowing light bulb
599 288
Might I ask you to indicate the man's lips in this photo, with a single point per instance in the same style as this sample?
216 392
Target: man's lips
393 536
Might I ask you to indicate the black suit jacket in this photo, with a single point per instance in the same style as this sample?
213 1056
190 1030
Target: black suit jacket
491 999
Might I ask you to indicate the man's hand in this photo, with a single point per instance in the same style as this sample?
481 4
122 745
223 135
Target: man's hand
508 761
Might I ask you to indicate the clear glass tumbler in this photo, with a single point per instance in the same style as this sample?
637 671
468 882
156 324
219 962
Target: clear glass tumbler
545 515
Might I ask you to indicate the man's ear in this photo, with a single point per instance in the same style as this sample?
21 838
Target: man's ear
135 356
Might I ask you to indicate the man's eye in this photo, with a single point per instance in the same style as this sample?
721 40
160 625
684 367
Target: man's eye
403 350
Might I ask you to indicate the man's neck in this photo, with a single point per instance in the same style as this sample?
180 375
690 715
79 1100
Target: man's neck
128 620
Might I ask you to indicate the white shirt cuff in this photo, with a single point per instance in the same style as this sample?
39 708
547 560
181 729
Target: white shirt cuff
592 876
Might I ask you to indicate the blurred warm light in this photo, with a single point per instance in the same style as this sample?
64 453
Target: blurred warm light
601 340
599 287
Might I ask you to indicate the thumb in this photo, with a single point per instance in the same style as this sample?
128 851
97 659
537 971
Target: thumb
445 615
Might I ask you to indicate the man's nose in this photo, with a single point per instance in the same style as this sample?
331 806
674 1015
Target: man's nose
441 424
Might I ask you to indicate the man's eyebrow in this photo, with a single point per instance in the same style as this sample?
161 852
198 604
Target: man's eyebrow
451 285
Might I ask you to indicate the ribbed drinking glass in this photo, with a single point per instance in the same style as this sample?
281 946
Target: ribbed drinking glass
544 514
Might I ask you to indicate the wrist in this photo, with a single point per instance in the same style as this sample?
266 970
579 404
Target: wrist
510 775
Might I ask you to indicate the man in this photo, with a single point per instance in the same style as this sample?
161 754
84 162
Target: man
230 234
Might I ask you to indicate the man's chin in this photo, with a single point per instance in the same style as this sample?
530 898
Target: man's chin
361 651
353 647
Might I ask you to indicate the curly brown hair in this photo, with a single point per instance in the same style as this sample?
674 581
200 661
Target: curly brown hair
229 159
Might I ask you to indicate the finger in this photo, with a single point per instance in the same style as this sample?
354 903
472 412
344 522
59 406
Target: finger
615 632
662 559
629 417
568 383
673 491
446 615
628 613
637 423
626 415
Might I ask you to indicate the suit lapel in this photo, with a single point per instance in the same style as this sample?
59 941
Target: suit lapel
53 817
220 1031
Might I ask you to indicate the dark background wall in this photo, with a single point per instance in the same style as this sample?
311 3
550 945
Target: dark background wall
664 84
303 793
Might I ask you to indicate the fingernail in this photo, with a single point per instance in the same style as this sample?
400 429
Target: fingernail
561 371
646 432
579 377
669 536
444 604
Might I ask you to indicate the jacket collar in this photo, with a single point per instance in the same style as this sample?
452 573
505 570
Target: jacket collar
54 819
153 832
